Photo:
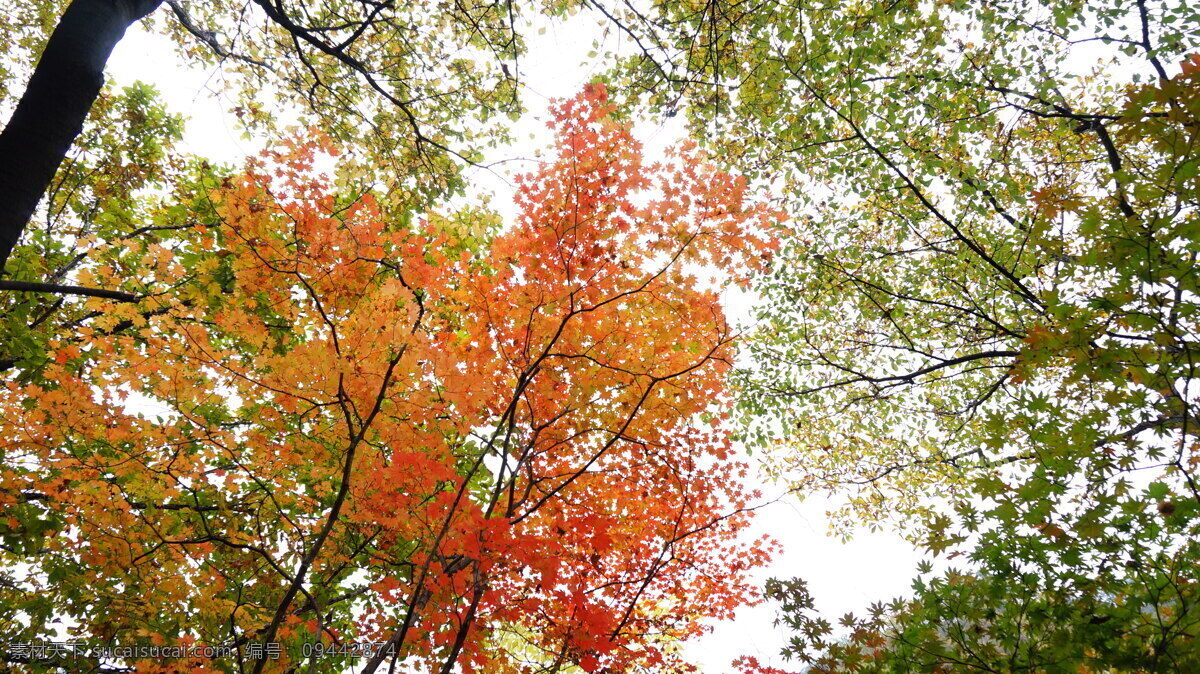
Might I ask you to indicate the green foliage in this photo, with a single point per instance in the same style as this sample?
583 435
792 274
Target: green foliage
130 189
983 329
405 85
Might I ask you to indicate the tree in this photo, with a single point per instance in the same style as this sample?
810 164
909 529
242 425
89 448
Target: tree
373 73
491 449
982 329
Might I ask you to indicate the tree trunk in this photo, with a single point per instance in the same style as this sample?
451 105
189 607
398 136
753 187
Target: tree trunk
51 112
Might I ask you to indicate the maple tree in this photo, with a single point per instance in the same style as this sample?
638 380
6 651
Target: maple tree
492 448
983 328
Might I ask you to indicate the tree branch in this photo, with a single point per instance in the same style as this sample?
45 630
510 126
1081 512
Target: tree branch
34 287
209 37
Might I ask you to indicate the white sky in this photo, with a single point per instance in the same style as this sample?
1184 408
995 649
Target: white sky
842 577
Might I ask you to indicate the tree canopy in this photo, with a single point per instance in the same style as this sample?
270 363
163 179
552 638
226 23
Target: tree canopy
406 84
511 446
429 436
982 329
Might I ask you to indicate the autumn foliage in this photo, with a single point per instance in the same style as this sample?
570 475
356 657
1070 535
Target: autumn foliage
504 450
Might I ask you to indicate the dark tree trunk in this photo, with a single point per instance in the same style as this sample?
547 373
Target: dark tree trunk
51 112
